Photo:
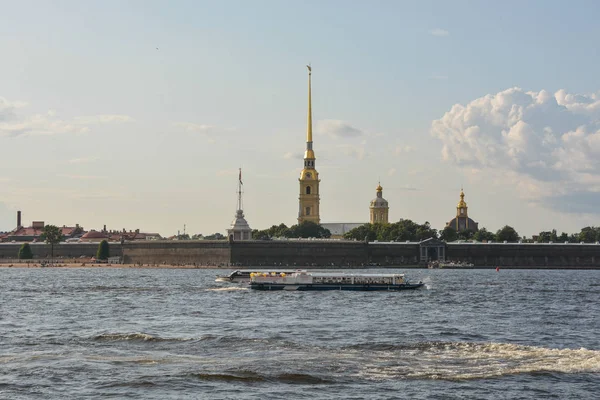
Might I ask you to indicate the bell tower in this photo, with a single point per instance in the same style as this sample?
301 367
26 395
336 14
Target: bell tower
379 208
309 177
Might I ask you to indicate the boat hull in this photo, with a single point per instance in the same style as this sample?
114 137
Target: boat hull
320 287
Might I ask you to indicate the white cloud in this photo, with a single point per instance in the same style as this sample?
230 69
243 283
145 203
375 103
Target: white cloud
82 160
354 151
293 155
81 177
102 119
196 128
337 128
439 32
529 138
13 124
205 130
391 172
403 150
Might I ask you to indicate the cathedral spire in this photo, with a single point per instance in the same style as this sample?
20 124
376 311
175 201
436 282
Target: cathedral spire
309 154
309 120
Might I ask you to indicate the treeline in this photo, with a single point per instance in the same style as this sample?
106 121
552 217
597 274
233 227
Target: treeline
403 230
305 229
406 229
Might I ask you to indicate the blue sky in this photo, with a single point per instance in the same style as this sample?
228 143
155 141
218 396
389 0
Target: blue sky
137 114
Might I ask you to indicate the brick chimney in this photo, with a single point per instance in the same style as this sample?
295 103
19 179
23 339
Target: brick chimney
19 219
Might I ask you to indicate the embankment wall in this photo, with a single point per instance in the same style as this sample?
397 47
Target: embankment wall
323 253
526 254
194 252
63 250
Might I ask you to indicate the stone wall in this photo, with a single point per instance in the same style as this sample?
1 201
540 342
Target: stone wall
192 252
63 250
526 254
323 253
299 253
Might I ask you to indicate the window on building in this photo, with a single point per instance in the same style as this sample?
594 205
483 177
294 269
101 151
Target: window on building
307 210
308 190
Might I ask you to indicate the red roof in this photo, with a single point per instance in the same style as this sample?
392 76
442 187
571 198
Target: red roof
94 235
30 231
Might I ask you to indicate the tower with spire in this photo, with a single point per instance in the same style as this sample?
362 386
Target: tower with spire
239 230
379 208
462 222
309 177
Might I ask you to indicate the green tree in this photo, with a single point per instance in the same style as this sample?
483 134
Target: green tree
449 234
589 234
52 235
103 251
308 229
548 236
215 236
25 252
508 234
484 235
400 231
466 235
362 232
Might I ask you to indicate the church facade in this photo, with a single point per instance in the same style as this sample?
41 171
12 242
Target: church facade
462 222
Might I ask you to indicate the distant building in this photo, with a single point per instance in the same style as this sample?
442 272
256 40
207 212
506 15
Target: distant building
239 230
379 208
94 237
462 222
338 229
34 232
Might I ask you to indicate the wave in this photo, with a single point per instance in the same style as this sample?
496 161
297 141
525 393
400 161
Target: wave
138 336
251 377
465 360
227 289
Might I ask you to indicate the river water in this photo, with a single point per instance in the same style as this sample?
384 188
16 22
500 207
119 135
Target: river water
177 334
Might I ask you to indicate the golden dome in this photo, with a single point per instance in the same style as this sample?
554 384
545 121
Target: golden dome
379 188
461 203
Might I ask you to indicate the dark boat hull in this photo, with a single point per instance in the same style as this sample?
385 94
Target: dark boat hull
309 287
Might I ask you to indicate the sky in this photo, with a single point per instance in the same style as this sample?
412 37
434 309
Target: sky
138 114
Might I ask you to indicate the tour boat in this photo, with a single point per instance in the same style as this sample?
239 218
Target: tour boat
303 280
243 275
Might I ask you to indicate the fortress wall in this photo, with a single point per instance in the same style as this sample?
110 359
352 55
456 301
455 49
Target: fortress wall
322 253
394 253
198 252
299 253
526 254
63 250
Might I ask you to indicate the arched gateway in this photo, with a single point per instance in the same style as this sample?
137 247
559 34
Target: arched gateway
432 250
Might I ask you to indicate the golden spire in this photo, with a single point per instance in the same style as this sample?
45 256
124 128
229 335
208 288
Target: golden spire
309 122
309 154
462 205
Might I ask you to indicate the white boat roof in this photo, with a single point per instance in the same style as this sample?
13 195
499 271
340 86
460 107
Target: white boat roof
345 274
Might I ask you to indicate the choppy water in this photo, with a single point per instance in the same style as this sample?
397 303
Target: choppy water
177 334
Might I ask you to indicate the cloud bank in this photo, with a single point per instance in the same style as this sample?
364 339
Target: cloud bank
13 124
439 32
549 142
337 128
